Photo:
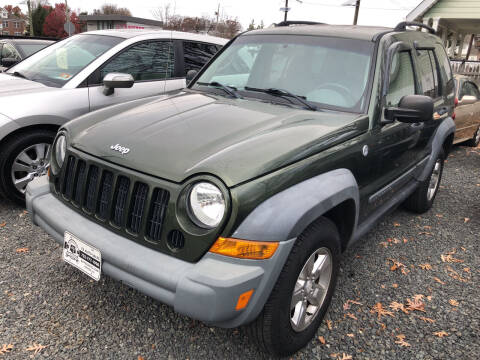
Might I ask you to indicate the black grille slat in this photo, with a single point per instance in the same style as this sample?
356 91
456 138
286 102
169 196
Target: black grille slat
137 207
157 214
92 181
69 178
128 205
120 201
105 195
79 182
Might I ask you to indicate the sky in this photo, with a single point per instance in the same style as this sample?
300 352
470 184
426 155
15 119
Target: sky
372 12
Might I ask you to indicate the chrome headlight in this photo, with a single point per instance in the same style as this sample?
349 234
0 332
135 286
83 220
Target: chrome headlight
207 204
60 150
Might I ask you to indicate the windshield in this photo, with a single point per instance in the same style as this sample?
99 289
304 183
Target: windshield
29 49
57 64
332 73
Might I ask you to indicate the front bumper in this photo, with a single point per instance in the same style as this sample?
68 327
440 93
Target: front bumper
207 290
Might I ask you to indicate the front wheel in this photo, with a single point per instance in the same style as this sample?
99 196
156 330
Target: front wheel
302 293
23 158
473 142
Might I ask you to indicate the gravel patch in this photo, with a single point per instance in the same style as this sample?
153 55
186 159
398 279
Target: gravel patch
45 301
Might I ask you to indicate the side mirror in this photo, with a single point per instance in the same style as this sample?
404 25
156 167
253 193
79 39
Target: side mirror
190 75
7 62
467 100
113 81
411 109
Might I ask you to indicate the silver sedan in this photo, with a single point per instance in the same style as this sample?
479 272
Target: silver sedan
81 74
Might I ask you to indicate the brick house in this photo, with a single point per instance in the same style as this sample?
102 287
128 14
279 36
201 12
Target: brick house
11 24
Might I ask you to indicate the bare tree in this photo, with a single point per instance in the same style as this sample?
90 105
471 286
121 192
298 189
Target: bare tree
112 9
162 13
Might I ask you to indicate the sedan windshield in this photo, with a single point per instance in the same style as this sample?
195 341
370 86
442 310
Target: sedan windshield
57 64
331 73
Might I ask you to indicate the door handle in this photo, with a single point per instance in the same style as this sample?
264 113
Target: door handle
417 126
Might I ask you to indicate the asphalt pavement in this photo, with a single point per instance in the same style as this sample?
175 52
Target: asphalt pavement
408 290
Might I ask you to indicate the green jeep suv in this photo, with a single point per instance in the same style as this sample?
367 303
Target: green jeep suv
233 199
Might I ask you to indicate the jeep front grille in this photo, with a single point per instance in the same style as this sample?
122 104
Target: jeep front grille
114 199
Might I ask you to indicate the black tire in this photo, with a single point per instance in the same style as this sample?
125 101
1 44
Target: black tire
420 201
8 153
475 140
272 330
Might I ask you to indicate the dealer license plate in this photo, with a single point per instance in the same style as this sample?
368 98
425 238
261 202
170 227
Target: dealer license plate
84 257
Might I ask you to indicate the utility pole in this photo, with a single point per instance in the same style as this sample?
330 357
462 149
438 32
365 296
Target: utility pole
286 10
357 9
218 15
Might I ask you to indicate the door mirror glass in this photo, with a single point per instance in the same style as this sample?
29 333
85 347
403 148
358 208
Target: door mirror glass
191 74
113 81
7 62
467 100
411 109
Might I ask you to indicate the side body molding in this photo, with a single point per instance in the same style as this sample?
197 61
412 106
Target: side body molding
445 129
285 215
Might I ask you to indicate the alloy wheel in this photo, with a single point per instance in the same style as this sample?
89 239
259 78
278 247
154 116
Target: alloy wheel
311 289
29 164
434 179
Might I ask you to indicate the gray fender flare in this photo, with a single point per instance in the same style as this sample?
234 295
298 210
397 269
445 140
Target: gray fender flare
285 215
445 129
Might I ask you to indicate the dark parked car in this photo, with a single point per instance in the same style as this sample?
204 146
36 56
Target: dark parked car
232 200
14 50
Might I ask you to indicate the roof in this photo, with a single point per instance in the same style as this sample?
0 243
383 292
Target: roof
137 20
161 34
340 31
421 9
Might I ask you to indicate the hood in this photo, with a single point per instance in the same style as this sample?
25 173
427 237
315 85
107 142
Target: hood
191 133
12 85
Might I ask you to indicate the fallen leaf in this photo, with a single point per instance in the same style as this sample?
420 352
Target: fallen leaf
351 335
418 297
440 334
453 302
383 326
36 348
396 306
345 357
425 233
140 357
351 316
439 215
455 275
395 264
467 270
22 250
329 324
438 280
427 227
384 244
415 305
450 259
322 340
465 220
3 224
401 340
425 266
379 309
427 320
396 224
6 348
395 285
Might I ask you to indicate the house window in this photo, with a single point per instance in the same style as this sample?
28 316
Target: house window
17 33
6 33
5 24
16 25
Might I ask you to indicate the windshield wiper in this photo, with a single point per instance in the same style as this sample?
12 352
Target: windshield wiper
19 74
284 93
230 90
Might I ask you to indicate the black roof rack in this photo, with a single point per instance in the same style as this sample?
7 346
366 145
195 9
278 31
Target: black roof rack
294 22
403 26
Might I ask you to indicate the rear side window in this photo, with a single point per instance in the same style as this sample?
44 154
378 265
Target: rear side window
445 69
8 51
402 79
146 61
428 73
197 54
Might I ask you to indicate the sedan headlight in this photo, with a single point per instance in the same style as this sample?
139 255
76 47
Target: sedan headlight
60 150
207 204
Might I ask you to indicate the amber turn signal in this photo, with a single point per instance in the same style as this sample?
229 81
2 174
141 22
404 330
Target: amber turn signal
244 249
243 300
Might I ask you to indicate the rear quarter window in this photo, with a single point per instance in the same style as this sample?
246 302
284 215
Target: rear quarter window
445 69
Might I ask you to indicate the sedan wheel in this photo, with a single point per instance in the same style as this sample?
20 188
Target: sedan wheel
29 164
